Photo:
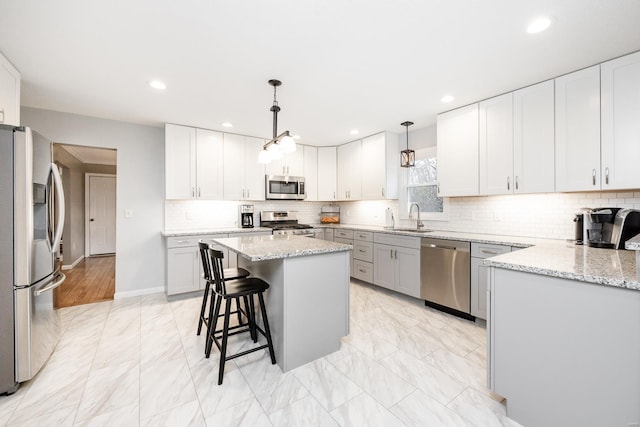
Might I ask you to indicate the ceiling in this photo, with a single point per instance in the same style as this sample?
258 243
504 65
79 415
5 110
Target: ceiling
91 155
364 64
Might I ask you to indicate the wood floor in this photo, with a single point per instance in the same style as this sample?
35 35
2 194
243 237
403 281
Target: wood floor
91 280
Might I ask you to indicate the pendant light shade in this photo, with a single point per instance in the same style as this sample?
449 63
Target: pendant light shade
407 157
280 144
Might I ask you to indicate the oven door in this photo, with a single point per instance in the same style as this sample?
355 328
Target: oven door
278 187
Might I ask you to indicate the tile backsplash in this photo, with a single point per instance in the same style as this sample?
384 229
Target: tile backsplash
548 215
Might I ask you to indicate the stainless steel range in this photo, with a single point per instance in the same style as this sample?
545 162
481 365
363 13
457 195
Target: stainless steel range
285 222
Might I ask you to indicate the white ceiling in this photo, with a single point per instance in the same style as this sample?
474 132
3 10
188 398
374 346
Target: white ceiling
365 64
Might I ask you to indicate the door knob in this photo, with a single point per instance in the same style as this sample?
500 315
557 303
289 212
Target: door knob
91 220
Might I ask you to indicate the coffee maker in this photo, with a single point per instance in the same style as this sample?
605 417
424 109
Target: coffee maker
246 216
598 227
625 226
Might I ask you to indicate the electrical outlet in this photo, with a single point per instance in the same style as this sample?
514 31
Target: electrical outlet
128 213
189 215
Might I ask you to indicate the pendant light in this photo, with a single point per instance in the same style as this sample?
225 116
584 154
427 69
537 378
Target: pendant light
407 157
279 144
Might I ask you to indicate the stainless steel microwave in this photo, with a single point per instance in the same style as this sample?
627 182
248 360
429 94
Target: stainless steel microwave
279 187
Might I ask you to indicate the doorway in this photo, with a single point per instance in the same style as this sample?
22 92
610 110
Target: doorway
89 176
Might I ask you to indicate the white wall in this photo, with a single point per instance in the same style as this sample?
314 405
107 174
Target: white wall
140 263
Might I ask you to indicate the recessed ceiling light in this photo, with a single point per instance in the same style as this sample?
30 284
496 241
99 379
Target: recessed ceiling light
354 131
447 98
157 84
538 25
227 124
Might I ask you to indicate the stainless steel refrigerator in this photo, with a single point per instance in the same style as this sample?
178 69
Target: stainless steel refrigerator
31 220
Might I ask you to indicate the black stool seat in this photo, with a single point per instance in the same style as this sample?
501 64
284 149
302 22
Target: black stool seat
247 286
230 274
228 290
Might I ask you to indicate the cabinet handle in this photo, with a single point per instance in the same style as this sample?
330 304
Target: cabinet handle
438 188
199 192
361 251
606 176
508 183
243 193
334 195
382 191
395 254
287 170
1 115
182 241
193 192
390 253
484 251
516 182
593 177
248 196
361 270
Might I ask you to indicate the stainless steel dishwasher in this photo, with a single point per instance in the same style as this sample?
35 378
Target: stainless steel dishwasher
445 275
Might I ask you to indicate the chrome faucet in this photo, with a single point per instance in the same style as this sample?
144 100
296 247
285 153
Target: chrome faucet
419 224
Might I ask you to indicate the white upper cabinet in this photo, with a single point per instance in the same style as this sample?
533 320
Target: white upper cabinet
243 175
193 163
289 164
534 139
458 152
310 171
180 162
496 145
208 164
327 174
350 171
9 93
380 166
621 122
577 113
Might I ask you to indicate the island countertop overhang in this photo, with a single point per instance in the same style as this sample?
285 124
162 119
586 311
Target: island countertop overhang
267 247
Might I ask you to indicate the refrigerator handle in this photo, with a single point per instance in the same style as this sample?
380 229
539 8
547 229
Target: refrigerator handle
57 182
61 278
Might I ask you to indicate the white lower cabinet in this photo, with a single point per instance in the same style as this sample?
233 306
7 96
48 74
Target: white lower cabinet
363 256
396 263
479 275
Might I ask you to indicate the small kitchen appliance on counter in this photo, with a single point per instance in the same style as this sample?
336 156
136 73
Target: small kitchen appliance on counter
578 219
598 227
625 226
285 222
246 216
330 214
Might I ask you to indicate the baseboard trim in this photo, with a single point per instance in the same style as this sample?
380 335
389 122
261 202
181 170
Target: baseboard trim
73 264
138 292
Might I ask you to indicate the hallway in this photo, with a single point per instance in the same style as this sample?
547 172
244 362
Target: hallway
92 280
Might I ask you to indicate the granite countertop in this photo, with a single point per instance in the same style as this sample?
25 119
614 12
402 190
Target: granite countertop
633 243
566 260
261 248
221 230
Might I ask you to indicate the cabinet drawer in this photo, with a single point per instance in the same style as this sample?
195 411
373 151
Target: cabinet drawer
363 251
346 241
344 234
365 236
329 234
363 270
485 250
394 240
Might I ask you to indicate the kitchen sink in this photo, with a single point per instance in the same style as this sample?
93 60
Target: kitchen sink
413 230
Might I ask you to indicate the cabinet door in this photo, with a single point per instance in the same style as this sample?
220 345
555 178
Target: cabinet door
350 171
408 271
347 242
183 271
621 122
209 167
327 164
9 93
294 162
496 145
577 115
180 162
374 167
478 288
458 152
384 266
234 167
254 172
310 172
533 139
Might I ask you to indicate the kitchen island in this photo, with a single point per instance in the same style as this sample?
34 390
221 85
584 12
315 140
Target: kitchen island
564 335
308 298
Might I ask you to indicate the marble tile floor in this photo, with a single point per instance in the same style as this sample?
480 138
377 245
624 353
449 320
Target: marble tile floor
138 362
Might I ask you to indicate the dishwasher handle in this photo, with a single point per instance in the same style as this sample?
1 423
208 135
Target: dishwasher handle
432 245
447 245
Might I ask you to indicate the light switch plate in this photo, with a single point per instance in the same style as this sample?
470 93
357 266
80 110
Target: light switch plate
128 213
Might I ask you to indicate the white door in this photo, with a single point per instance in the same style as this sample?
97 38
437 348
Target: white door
102 215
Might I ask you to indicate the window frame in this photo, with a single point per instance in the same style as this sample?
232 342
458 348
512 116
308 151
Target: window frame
404 193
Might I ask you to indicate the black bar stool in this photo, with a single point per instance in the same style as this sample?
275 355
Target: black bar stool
227 290
230 274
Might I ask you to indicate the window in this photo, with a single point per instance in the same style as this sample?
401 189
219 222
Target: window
421 187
